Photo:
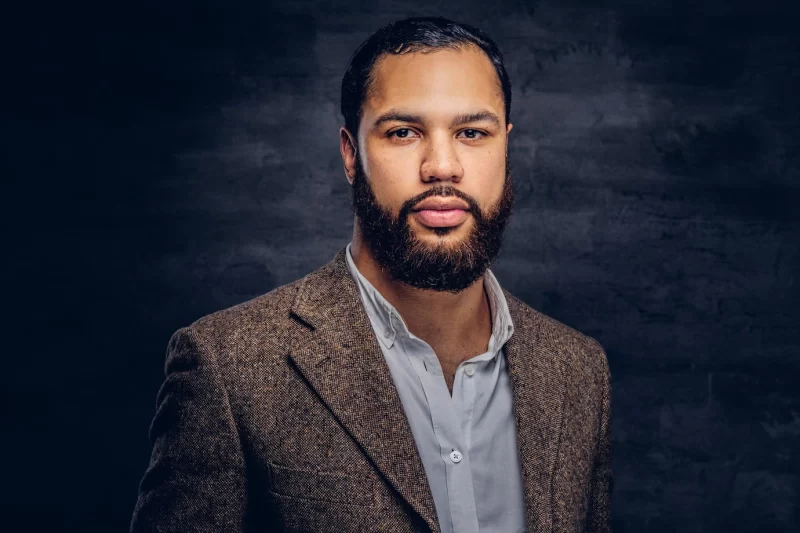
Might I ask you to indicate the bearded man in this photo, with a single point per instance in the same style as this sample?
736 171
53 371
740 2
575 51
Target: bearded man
398 388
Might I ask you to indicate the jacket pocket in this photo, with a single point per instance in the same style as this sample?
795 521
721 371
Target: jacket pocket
325 486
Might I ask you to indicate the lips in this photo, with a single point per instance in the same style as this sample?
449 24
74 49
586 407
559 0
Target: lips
441 212
441 218
441 204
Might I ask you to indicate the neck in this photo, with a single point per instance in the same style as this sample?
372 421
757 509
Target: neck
437 317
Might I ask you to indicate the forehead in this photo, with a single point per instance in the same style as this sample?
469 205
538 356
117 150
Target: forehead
437 82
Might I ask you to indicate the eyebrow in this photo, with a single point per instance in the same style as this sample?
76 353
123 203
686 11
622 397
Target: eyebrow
393 116
459 120
480 116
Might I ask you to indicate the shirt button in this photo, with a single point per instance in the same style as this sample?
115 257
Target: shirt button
387 333
455 456
469 370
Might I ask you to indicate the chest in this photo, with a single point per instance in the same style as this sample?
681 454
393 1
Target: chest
450 358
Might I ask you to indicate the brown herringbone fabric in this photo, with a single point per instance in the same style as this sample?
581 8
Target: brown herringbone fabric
279 414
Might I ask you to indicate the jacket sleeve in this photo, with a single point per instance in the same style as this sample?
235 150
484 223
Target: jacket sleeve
196 477
599 514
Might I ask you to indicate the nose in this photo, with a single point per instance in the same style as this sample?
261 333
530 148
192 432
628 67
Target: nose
441 161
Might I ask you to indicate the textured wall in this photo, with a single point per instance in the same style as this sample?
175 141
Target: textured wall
181 159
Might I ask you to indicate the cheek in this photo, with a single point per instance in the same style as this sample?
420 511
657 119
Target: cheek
485 174
392 179
393 165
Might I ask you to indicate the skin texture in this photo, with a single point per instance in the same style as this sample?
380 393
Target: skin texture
404 157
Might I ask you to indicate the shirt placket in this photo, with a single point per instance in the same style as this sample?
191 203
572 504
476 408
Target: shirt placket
447 415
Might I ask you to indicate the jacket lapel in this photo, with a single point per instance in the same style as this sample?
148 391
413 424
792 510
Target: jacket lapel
536 371
342 360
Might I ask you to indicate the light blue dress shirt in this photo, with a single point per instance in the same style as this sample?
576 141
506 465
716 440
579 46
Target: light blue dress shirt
467 441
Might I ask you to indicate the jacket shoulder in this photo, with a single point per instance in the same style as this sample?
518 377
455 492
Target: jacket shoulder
257 327
582 351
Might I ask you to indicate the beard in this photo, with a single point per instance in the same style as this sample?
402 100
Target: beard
440 266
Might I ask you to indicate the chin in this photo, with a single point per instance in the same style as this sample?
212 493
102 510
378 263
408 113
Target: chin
450 234
452 237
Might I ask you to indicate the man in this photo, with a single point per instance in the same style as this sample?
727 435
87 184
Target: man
397 388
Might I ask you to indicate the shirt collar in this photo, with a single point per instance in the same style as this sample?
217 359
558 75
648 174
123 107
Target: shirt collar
388 323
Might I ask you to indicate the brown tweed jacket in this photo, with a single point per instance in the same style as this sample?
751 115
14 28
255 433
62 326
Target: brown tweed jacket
279 414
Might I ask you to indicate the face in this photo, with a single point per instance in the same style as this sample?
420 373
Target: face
432 133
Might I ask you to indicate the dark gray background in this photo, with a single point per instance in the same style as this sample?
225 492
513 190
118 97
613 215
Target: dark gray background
171 160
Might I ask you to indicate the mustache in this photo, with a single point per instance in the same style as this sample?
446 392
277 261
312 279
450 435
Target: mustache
443 191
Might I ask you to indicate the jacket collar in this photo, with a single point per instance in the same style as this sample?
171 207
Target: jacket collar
340 357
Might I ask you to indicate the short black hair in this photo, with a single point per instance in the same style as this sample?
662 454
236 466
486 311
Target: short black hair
417 34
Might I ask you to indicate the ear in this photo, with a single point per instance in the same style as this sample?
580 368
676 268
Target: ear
347 147
508 130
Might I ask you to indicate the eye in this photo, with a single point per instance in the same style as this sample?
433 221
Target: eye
472 134
402 133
